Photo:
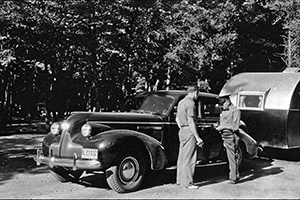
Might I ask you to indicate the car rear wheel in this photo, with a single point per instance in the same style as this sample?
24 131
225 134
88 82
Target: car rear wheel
240 154
128 174
63 175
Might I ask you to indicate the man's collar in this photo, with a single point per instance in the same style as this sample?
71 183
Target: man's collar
189 97
227 107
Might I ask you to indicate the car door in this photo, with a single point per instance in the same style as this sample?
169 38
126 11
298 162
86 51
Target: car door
208 113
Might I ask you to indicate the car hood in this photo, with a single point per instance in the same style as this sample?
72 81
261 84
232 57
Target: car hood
115 116
77 119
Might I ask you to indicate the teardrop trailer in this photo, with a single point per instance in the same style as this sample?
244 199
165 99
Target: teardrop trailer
270 106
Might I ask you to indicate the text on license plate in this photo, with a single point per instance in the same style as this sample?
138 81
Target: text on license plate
90 153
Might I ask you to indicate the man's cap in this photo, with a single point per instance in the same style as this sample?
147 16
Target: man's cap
224 96
193 88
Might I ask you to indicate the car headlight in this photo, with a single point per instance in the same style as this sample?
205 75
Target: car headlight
86 130
54 129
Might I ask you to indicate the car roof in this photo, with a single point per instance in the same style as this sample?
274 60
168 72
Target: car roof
180 93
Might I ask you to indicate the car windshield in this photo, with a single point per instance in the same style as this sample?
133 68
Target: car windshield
156 104
132 104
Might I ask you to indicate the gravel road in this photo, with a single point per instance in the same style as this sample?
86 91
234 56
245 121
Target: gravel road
20 178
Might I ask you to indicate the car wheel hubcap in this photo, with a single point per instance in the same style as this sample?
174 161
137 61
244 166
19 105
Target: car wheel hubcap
129 169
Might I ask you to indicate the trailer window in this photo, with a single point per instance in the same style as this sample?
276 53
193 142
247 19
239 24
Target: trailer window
251 100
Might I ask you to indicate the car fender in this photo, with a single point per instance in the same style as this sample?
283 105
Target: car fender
47 141
112 142
250 143
98 127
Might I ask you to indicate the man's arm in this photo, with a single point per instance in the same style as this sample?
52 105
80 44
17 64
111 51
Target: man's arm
236 119
177 121
193 128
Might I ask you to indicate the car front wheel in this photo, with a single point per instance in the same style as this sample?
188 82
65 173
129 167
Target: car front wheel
128 174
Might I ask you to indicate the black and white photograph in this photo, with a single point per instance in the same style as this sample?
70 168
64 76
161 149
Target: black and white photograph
150 99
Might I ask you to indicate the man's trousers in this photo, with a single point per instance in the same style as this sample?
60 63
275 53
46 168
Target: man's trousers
186 158
231 141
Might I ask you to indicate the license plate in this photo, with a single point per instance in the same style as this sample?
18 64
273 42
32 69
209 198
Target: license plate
90 153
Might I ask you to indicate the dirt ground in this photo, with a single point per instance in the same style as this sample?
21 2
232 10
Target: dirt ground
20 178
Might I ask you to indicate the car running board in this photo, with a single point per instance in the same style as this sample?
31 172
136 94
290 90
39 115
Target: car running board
201 165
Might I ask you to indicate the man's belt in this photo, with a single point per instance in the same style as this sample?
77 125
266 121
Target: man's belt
227 130
230 131
184 126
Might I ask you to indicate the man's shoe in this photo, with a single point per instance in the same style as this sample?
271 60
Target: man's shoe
192 187
233 182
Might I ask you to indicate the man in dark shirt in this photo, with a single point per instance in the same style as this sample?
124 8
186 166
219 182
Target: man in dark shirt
188 138
229 127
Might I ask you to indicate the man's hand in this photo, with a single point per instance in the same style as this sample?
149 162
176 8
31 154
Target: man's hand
216 126
200 142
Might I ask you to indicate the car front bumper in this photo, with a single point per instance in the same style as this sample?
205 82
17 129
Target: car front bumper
73 163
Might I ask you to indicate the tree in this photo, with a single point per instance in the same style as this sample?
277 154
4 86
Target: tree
288 14
93 54
200 39
259 40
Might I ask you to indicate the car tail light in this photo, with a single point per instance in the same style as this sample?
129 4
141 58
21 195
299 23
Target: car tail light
86 130
54 129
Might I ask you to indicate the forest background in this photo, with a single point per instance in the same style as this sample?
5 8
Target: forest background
58 56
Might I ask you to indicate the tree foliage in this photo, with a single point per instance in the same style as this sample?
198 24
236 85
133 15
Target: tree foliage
287 13
94 54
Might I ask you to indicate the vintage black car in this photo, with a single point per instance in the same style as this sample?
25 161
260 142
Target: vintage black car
126 145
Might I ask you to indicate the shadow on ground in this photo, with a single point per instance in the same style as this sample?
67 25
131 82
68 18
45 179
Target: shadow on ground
253 169
16 156
14 162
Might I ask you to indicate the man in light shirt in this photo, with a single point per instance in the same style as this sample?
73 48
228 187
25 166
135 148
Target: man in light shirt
229 129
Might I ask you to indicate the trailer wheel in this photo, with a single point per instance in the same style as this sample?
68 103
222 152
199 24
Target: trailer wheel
128 174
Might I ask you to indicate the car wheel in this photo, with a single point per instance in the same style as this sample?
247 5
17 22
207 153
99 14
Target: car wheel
128 174
63 175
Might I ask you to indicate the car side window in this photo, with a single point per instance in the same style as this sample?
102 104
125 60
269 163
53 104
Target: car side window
210 108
